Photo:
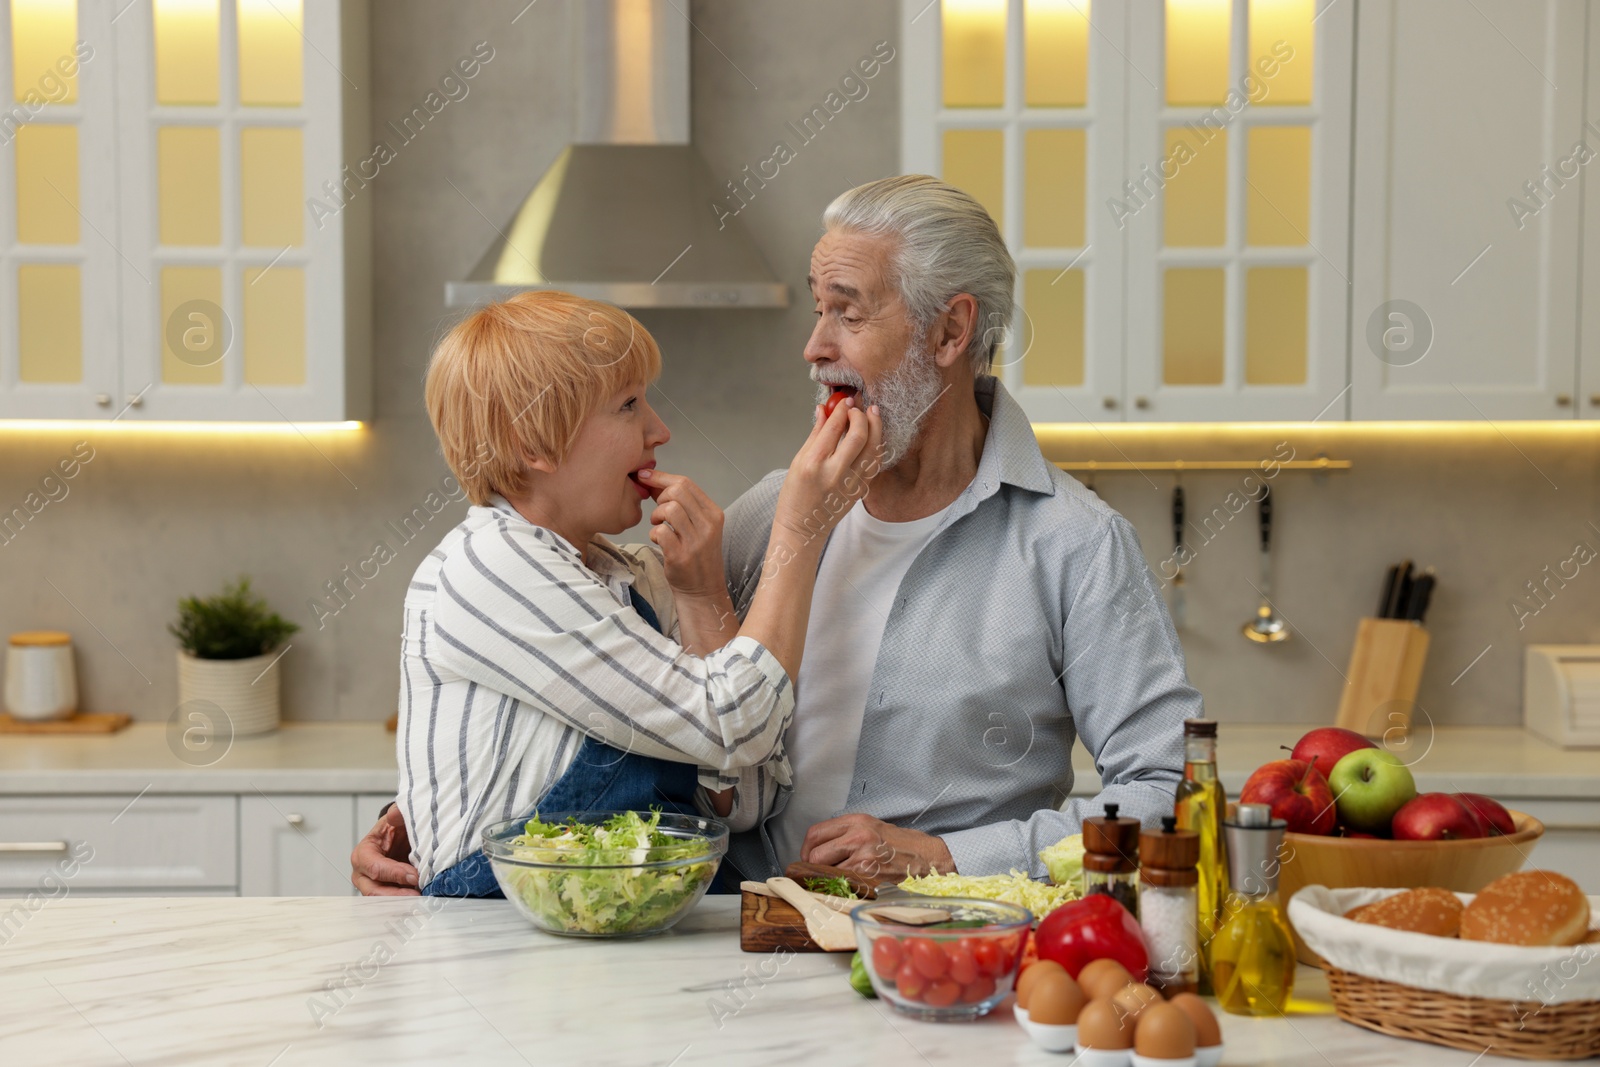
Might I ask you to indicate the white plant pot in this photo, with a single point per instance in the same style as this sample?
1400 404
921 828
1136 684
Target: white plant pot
245 689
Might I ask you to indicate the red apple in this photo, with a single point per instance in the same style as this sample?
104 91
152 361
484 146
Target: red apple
1296 792
1356 835
1327 746
1436 817
1496 819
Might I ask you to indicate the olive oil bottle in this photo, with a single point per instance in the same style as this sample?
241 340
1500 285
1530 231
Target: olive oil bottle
1252 955
1200 807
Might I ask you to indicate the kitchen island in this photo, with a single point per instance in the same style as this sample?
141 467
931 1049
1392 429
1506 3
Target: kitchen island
302 980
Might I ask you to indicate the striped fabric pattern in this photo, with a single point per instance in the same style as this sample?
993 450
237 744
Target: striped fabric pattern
1029 621
514 648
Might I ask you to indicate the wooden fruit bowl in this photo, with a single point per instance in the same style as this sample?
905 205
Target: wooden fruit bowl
1355 863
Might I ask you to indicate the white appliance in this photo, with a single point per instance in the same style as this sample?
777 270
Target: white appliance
1561 694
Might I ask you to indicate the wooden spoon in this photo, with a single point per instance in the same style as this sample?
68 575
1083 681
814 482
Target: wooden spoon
831 930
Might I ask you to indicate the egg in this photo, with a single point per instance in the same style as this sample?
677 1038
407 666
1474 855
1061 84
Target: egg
1100 1026
1055 1000
1102 978
1207 1033
1164 1033
1035 971
1134 998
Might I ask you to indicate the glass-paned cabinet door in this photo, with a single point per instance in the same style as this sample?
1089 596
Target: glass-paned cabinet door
58 269
1019 102
230 126
1236 209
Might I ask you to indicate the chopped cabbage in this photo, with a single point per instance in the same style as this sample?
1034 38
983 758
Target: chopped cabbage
1013 888
1064 859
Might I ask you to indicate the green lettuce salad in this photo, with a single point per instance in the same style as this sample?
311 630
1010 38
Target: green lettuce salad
607 891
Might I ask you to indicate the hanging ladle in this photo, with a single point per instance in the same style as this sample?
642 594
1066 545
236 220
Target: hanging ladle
1268 626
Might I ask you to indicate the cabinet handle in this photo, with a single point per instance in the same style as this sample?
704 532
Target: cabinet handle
136 400
1109 403
1141 402
1594 400
103 399
33 846
1563 400
295 819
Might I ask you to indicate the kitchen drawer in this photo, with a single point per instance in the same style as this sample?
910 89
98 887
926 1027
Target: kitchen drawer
170 842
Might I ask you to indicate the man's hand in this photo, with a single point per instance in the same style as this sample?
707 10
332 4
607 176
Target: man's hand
378 864
874 847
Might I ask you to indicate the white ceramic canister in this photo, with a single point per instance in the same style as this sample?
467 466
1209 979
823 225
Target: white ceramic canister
41 680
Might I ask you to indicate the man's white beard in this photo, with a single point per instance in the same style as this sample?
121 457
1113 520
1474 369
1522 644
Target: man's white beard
904 398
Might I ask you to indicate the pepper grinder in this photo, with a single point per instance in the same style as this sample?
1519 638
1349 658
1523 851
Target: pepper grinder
1111 858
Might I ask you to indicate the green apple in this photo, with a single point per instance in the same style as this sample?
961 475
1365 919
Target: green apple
1369 786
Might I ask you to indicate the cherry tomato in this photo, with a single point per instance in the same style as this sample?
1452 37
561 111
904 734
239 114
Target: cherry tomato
963 966
987 955
886 956
926 955
942 993
1093 928
833 401
909 981
980 990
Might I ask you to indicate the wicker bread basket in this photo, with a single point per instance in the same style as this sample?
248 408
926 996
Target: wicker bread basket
1529 1003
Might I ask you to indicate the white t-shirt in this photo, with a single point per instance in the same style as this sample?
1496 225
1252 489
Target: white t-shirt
856 585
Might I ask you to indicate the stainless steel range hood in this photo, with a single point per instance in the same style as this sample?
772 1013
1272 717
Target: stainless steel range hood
628 213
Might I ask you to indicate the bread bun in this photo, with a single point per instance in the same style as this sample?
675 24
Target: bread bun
1355 914
1528 908
1423 911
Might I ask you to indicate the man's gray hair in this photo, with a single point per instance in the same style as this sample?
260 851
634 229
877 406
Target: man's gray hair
945 243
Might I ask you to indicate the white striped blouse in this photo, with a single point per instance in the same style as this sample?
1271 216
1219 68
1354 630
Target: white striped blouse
514 648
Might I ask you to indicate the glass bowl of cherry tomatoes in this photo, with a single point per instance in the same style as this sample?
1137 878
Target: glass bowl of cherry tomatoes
941 958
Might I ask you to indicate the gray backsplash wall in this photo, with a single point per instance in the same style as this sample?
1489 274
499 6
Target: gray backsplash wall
151 518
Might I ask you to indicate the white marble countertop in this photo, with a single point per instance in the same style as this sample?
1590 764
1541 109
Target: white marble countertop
245 981
296 758
1503 762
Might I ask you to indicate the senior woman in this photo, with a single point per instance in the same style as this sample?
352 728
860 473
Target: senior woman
543 666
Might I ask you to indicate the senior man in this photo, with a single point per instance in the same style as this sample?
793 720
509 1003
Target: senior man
975 614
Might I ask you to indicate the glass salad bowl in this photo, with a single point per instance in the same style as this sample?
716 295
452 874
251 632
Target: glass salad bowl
605 873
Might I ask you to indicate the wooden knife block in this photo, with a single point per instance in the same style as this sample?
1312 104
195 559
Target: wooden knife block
1381 683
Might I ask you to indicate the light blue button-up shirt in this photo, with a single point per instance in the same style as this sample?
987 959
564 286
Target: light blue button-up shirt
1030 619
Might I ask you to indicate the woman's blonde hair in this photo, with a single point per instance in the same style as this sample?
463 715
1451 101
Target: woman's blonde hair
514 381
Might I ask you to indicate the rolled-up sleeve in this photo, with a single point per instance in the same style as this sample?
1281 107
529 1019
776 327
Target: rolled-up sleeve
518 615
1128 693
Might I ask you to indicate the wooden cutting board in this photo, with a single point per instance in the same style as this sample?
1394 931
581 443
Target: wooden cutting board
767 923
83 722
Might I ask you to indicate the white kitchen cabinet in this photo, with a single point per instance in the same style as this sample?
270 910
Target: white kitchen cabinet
109 842
295 845
1589 348
1571 841
189 243
1467 201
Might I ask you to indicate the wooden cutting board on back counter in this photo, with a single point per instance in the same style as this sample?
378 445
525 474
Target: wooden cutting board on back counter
767 923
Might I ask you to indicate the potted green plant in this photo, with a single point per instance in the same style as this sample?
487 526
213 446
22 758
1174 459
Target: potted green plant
229 655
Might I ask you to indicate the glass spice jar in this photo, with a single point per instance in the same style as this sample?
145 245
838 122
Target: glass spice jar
1111 858
1169 899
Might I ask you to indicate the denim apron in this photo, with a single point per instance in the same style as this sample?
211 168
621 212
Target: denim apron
601 778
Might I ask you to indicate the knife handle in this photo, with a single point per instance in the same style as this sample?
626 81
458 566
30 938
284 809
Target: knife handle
1390 584
1266 519
1177 517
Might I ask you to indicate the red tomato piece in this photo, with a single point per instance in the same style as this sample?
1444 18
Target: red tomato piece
963 966
978 991
989 957
942 993
886 957
833 401
909 981
927 957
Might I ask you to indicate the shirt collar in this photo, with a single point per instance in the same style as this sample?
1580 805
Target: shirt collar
1010 450
604 558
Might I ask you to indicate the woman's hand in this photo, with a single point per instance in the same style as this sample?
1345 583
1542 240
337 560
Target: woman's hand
687 527
378 865
830 472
